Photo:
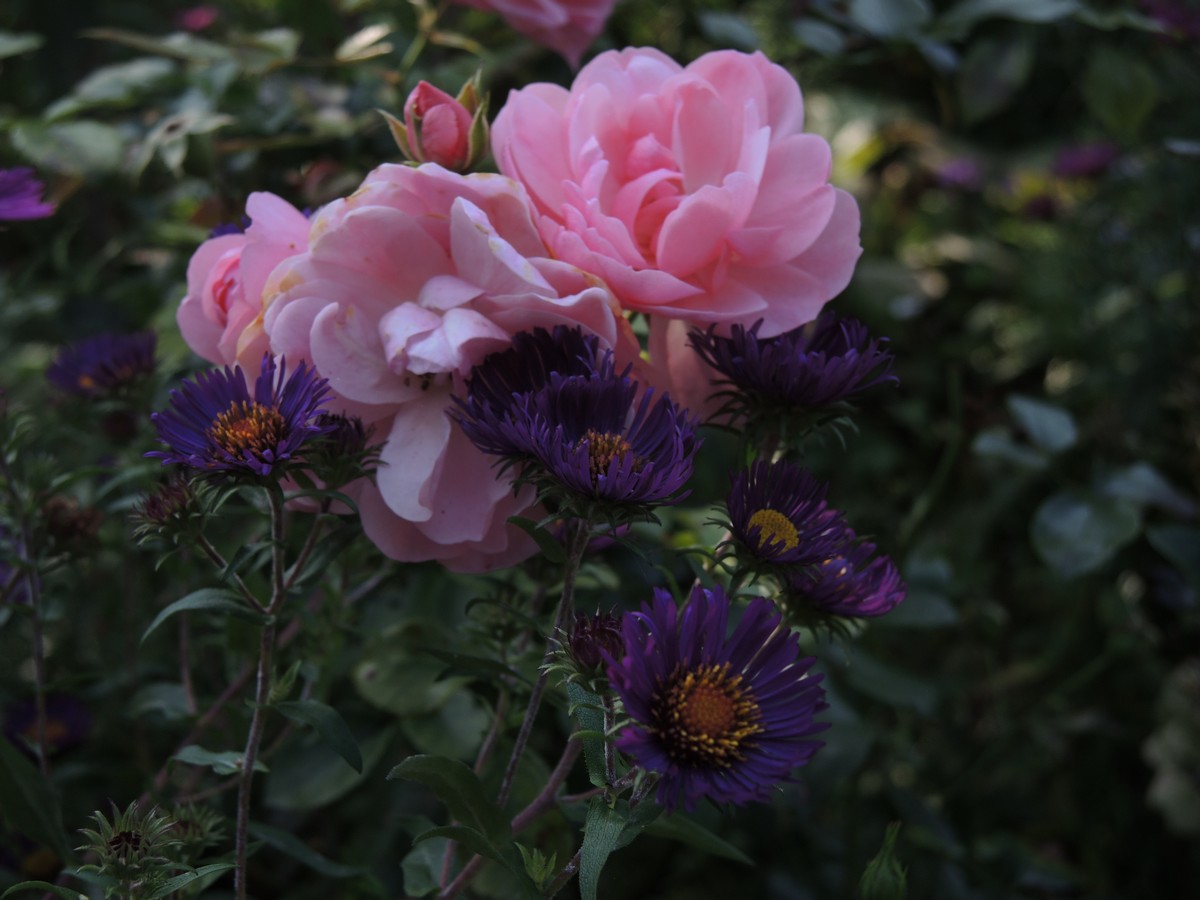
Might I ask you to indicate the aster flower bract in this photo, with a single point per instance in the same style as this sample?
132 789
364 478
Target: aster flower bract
716 716
101 365
215 424
778 515
807 369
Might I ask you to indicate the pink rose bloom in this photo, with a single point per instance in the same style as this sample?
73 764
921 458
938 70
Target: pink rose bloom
408 284
439 127
225 278
566 26
693 192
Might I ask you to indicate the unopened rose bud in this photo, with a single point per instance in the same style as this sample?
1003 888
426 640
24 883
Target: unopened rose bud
438 128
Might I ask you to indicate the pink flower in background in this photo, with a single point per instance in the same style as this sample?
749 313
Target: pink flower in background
407 285
566 26
226 275
693 192
197 18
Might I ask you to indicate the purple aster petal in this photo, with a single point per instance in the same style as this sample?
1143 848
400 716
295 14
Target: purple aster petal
850 583
21 196
103 364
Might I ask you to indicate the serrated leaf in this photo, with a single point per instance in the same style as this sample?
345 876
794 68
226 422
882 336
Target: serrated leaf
225 762
1075 533
28 803
551 548
686 831
179 882
601 832
288 843
1050 427
206 600
328 724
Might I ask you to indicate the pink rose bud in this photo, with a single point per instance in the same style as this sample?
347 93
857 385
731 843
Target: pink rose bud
438 128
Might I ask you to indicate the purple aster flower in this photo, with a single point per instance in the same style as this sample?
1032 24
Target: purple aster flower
962 173
214 424
594 436
68 722
591 637
21 196
849 583
1085 160
103 364
725 718
778 514
810 368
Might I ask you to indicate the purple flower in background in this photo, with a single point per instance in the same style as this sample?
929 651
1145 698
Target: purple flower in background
21 196
778 514
214 424
100 365
1085 161
68 722
809 368
726 718
962 174
849 583
1180 19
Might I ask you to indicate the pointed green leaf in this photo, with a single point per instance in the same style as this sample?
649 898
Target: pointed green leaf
28 803
227 762
551 549
686 831
179 882
1050 427
1075 533
590 719
329 725
288 843
460 789
44 887
210 600
601 832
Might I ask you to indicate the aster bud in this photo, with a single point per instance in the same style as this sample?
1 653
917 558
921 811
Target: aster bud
438 128
590 637
884 878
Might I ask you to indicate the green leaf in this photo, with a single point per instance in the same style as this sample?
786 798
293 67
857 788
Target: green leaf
890 685
884 877
364 44
117 84
600 835
45 887
584 707
1049 427
992 72
1181 545
551 548
288 843
922 608
167 699
311 776
28 803
1075 533
329 725
1142 483
14 43
79 147
998 443
726 29
687 831
422 867
888 19
1120 90
179 882
228 762
972 11
207 600
460 790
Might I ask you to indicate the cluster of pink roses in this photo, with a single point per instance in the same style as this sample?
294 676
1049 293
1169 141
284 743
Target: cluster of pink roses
689 195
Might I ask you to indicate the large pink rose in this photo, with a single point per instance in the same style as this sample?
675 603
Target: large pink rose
693 192
566 26
407 285
225 280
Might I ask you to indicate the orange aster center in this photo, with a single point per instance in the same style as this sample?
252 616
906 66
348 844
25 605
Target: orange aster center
774 528
707 716
603 448
248 428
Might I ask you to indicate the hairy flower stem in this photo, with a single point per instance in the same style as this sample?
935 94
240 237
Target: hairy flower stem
577 540
262 692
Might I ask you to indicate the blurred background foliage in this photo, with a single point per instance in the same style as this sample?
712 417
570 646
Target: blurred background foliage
1028 176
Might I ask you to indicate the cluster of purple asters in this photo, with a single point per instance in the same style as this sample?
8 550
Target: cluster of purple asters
103 365
727 717
215 424
782 526
589 438
810 370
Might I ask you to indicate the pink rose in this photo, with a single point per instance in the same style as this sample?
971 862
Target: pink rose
693 192
437 128
225 279
567 26
407 285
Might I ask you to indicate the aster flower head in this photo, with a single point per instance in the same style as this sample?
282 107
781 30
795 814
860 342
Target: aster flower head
591 637
850 583
716 716
343 451
778 515
68 722
808 370
176 508
21 196
102 365
215 424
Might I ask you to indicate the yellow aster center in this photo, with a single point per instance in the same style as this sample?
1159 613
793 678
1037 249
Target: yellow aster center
707 717
86 381
248 428
603 448
774 528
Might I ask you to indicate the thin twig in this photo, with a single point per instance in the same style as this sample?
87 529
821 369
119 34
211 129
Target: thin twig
218 560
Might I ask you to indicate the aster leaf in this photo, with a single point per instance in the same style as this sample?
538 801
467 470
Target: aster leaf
288 843
225 762
602 832
206 599
688 831
45 887
551 549
29 803
586 710
328 724
179 882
